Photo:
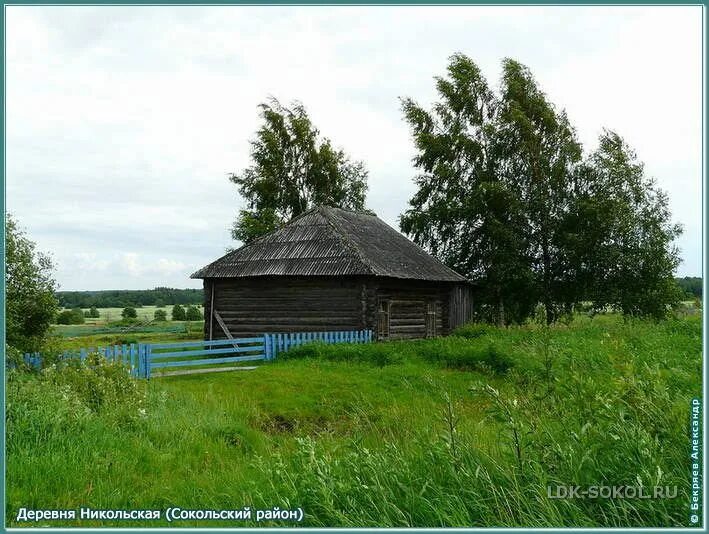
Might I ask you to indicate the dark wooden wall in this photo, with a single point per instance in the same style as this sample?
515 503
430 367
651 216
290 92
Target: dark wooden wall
257 305
283 304
461 305
409 303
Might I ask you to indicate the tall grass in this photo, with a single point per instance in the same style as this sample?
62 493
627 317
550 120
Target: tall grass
469 430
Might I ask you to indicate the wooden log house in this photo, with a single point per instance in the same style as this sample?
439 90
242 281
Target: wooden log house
333 269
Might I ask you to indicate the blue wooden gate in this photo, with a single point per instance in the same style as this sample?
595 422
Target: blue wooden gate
143 358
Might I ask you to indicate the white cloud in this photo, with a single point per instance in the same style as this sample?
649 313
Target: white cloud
123 122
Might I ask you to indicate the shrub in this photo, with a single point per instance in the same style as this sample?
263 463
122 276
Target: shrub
70 317
94 313
129 313
178 313
458 353
30 300
472 330
193 314
102 386
160 315
379 354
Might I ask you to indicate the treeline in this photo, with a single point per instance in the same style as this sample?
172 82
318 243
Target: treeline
160 296
691 285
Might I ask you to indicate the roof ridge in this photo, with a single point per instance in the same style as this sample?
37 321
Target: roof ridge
346 241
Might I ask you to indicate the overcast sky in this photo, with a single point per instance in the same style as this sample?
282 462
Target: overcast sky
124 122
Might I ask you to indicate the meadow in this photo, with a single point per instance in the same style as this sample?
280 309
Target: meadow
468 430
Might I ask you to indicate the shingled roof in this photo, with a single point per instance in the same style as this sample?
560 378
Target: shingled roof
327 241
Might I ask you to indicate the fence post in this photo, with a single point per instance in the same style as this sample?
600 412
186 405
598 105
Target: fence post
131 358
140 361
148 353
267 351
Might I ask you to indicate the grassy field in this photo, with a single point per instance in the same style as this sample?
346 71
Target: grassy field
469 430
107 315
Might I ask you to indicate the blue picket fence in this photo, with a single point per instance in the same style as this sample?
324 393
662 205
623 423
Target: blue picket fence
143 358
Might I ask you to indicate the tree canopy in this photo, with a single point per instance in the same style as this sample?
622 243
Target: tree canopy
31 303
293 169
506 197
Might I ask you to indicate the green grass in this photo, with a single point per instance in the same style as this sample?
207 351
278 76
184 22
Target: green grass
107 315
393 434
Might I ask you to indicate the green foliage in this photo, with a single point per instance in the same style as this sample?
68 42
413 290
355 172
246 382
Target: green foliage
451 352
160 315
75 316
134 298
413 443
505 197
178 313
129 313
192 313
30 304
292 170
691 285
473 330
71 393
94 313
625 256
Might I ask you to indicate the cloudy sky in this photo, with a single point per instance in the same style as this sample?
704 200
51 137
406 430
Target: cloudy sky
124 122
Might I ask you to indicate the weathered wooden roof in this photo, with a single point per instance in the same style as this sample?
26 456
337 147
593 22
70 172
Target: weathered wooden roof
327 241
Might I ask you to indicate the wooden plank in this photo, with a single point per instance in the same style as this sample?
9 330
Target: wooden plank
206 352
204 371
209 361
214 342
211 311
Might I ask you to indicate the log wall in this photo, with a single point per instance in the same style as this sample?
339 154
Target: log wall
253 306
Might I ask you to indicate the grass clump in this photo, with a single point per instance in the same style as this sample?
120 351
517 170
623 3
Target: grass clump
386 434
379 354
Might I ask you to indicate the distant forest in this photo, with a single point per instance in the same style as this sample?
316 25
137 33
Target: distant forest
164 296
160 296
691 285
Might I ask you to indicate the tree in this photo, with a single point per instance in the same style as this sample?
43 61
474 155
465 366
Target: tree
159 303
625 254
31 303
692 286
178 313
94 313
505 197
466 211
73 316
193 314
160 315
292 170
540 154
129 313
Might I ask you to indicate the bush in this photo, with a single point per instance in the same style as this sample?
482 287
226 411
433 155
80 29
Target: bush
178 313
160 315
472 330
70 317
94 313
129 313
379 354
193 314
104 387
459 353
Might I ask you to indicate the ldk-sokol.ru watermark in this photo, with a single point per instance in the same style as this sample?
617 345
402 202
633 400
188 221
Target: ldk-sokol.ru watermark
611 492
